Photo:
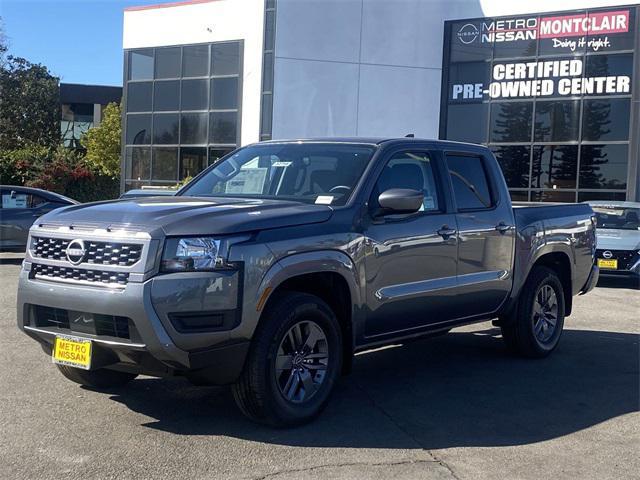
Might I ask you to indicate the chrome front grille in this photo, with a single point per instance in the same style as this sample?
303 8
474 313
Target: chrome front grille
97 277
97 253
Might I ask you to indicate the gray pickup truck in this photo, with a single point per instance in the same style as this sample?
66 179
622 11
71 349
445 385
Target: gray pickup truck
275 265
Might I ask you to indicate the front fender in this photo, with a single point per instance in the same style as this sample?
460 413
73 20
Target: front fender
321 261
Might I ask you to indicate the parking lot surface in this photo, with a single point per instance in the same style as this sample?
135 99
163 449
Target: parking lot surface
452 407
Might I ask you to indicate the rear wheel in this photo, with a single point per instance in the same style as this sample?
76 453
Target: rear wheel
293 364
101 378
535 326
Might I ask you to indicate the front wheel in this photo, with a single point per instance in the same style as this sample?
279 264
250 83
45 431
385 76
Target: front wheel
101 378
535 326
293 364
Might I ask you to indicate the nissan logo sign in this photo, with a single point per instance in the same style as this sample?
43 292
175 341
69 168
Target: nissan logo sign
607 254
76 251
468 33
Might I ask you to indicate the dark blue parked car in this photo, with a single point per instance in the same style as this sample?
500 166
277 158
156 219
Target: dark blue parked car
20 207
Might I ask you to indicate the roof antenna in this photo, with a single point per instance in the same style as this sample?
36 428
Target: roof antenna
409 135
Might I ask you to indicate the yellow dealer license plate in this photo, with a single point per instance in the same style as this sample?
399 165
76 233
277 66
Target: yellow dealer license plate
610 264
72 351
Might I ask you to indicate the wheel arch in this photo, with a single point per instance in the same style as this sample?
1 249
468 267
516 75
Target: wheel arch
330 275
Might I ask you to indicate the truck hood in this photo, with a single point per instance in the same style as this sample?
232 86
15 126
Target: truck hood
189 215
618 239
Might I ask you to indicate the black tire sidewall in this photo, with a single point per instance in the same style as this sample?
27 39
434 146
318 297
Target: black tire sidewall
302 307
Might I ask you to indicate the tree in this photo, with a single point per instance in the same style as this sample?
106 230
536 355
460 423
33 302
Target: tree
29 105
103 143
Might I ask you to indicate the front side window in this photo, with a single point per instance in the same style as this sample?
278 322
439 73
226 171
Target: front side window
470 182
411 170
310 173
19 200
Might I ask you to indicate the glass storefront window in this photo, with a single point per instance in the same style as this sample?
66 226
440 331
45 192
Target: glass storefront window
554 166
167 62
519 195
165 128
192 161
225 59
195 61
165 164
604 166
195 94
193 128
611 196
466 44
138 163
514 161
557 121
606 119
138 129
139 96
609 65
223 127
511 122
467 123
619 41
141 64
224 93
166 95
216 154
553 196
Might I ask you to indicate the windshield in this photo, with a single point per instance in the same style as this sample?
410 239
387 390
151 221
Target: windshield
617 217
318 173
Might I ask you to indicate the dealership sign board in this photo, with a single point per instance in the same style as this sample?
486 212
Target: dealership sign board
572 35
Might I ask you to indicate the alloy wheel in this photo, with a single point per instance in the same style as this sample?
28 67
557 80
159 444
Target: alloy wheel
301 362
545 314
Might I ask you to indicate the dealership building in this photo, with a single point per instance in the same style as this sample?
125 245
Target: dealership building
554 94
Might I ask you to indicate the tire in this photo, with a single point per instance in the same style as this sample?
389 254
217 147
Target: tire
528 331
101 378
274 386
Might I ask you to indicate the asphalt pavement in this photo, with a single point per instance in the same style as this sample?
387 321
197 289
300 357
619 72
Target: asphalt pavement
452 407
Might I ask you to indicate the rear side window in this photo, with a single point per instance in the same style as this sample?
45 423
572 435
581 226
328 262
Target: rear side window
470 182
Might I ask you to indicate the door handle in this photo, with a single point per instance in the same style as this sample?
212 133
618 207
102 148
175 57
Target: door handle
503 227
446 232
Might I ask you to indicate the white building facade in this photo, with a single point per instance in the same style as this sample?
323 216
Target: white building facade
205 76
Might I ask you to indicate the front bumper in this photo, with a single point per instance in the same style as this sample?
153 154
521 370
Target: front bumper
158 348
628 262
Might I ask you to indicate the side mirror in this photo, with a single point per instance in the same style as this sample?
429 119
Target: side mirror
400 200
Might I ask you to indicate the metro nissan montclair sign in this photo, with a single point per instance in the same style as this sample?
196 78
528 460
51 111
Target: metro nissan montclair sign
574 35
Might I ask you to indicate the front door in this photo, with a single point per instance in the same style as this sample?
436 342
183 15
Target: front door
411 259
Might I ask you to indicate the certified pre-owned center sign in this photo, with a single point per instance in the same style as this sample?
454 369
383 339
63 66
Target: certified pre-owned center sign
557 34
546 78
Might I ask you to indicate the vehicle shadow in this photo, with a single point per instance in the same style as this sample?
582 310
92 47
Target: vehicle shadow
619 282
11 260
458 390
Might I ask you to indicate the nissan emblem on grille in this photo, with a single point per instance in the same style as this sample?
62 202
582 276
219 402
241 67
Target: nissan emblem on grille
76 251
607 254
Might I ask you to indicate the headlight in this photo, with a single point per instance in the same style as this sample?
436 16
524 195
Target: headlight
191 254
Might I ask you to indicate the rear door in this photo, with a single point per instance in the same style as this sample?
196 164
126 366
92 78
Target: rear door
486 234
411 259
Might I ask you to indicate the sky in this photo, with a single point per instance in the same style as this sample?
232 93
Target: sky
80 41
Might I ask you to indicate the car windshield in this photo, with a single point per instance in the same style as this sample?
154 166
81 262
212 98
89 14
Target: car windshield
321 173
613 217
